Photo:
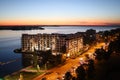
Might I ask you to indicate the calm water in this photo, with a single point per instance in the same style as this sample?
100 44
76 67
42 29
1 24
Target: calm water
10 40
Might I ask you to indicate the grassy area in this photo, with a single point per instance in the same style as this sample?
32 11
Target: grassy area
32 68
26 76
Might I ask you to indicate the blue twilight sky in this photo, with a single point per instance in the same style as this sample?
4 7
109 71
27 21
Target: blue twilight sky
59 12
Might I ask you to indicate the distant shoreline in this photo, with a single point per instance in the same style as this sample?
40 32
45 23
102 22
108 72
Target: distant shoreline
21 27
41 27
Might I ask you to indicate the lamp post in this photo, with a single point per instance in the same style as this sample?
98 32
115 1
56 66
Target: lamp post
46 65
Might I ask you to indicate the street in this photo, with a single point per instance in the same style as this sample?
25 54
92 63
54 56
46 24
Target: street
60 70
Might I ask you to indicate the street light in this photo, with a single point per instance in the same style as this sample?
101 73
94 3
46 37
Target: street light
46 65
68 55
81 61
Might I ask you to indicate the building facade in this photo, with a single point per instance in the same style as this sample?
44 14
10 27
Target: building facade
74 45
57 43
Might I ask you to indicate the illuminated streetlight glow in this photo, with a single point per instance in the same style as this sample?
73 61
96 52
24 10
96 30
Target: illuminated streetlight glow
68 55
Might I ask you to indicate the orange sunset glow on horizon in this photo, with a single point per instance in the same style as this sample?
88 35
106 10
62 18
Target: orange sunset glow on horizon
58 22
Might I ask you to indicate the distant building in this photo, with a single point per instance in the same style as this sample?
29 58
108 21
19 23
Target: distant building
57 43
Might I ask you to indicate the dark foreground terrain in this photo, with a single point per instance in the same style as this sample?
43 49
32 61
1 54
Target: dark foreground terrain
108 70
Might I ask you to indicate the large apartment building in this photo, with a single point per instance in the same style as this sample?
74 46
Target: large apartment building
74 44
57 43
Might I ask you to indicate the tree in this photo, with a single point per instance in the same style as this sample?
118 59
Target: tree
100 54
68 76
44 78
114 46
73 78
91 68
107 35
44 57
80 72
89 37
35 59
